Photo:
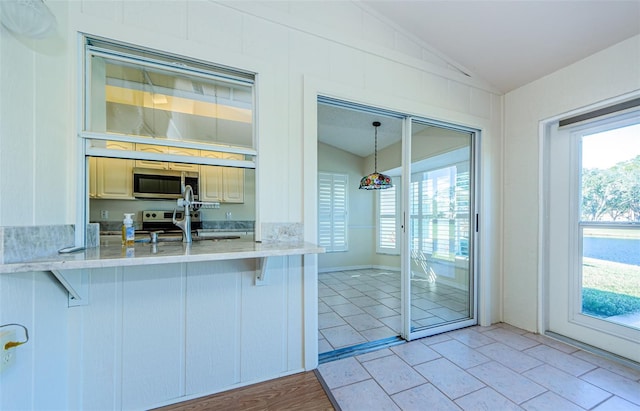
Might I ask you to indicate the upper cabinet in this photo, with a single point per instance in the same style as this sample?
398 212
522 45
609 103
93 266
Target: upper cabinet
222 184
112 178
232 181
163 165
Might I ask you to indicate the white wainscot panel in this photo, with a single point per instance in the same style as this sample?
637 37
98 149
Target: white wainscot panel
215 24
346 65
434 89
213 324
459 98
110 10
265 323
159 333
294 347
374 30
342 16
480 103
167 17
98 329
388 76
308 55
152 334
37 377
50 351
264 39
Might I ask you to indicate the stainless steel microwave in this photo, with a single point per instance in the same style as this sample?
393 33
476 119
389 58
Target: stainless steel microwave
163 184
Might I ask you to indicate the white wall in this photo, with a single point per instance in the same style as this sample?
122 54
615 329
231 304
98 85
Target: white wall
37 154
612 72
298 49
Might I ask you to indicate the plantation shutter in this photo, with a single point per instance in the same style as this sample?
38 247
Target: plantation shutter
387 221
440 218
332 211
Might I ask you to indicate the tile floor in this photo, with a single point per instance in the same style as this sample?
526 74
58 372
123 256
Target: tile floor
358 306
482 368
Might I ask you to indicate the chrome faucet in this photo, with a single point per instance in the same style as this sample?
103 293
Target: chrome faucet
185 223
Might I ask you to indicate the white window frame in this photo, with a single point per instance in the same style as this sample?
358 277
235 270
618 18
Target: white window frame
577 325
179 65
333 211
86 139
578 225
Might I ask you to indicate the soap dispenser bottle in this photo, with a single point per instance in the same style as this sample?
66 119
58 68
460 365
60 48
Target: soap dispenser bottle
128 232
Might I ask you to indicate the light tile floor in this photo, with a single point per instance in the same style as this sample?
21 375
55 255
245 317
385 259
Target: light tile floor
358 306
482 368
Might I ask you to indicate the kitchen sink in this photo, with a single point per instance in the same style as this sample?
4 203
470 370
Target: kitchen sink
178 237
175 237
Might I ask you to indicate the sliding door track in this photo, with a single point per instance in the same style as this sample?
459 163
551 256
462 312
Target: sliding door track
358 349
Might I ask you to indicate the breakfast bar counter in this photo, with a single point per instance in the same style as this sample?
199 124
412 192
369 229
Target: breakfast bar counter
112 254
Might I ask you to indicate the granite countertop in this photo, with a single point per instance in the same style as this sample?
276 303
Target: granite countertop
112 254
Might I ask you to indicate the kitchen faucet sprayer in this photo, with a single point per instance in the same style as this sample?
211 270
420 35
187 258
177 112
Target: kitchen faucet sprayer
189 205
185 223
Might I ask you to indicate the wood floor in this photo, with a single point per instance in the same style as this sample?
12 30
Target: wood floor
295 392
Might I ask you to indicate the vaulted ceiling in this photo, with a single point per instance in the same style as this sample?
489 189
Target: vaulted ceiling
506 43
513 42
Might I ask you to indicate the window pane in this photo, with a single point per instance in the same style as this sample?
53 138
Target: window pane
146 101
610 190
611 274
611 175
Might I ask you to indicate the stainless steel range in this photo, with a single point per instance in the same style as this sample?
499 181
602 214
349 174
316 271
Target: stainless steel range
162 220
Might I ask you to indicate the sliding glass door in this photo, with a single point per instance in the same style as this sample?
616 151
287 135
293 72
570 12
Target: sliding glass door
399 260
440 227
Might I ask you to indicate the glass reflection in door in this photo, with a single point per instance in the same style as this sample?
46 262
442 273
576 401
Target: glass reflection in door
440 229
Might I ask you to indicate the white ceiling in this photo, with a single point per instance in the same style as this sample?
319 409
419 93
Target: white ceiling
511 43
353 131
505 43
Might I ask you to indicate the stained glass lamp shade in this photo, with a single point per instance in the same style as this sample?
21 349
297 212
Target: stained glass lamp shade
375 180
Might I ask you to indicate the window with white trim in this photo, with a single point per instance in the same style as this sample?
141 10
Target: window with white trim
333 211
145 97
145 109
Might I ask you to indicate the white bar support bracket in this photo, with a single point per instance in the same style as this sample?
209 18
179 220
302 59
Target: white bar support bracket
76 282
261 271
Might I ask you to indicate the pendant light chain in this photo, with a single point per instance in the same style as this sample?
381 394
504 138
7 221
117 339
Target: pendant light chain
375 151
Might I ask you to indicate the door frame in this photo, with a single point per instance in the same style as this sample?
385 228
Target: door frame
605 335
489 245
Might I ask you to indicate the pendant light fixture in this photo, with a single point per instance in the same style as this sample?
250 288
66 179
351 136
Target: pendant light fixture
375 180
29 18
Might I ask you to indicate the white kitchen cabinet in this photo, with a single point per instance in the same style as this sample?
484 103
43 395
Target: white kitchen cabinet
211 180
163 165
221 184
93 181
148 148
114 178
111 178
233 181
